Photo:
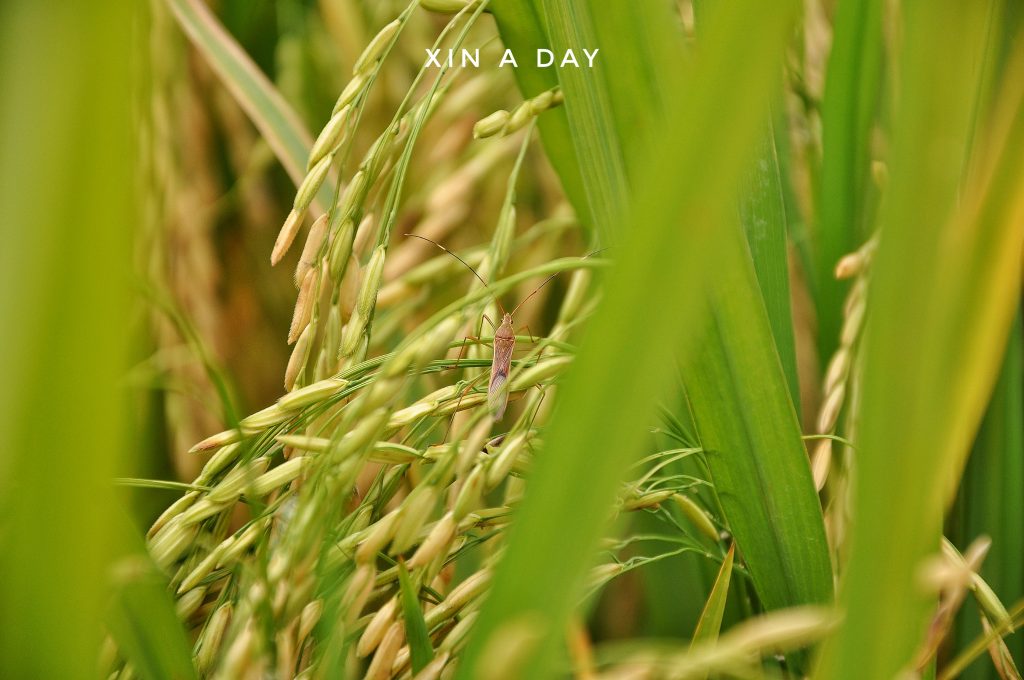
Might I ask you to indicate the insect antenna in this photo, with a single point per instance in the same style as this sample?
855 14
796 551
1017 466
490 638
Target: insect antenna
548 280
464 263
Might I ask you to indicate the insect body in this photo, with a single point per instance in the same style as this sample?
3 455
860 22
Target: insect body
504 344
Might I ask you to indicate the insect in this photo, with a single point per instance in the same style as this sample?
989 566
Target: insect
504 345
504 340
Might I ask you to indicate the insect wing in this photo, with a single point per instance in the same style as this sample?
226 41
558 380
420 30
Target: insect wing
497 390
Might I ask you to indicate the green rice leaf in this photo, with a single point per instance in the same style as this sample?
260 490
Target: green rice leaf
595 143
710 622
751 438
144 625
415 626
518 24
848 111
66 179
763 213
277 122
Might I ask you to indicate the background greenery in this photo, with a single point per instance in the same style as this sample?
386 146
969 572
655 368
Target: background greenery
798 365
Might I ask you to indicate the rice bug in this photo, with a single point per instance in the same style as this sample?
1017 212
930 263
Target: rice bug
504 338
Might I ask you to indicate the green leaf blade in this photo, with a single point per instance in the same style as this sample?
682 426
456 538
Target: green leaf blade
763 214
420 649
143 622
853 84
710 623
518 24
752 442
277 122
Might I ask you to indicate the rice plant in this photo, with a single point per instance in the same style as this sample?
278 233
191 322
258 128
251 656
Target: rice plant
516 339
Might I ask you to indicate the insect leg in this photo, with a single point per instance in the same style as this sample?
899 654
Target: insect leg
540 402
526 327
534 340
458 405
462 351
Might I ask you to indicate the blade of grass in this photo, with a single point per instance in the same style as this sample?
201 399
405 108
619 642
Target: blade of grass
998 36
751 437
763 214
676 591
758 462
799 231
596 144
852 90
143 623
951 281
517 25
415 626
277 122
65 188
710 622
702 150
